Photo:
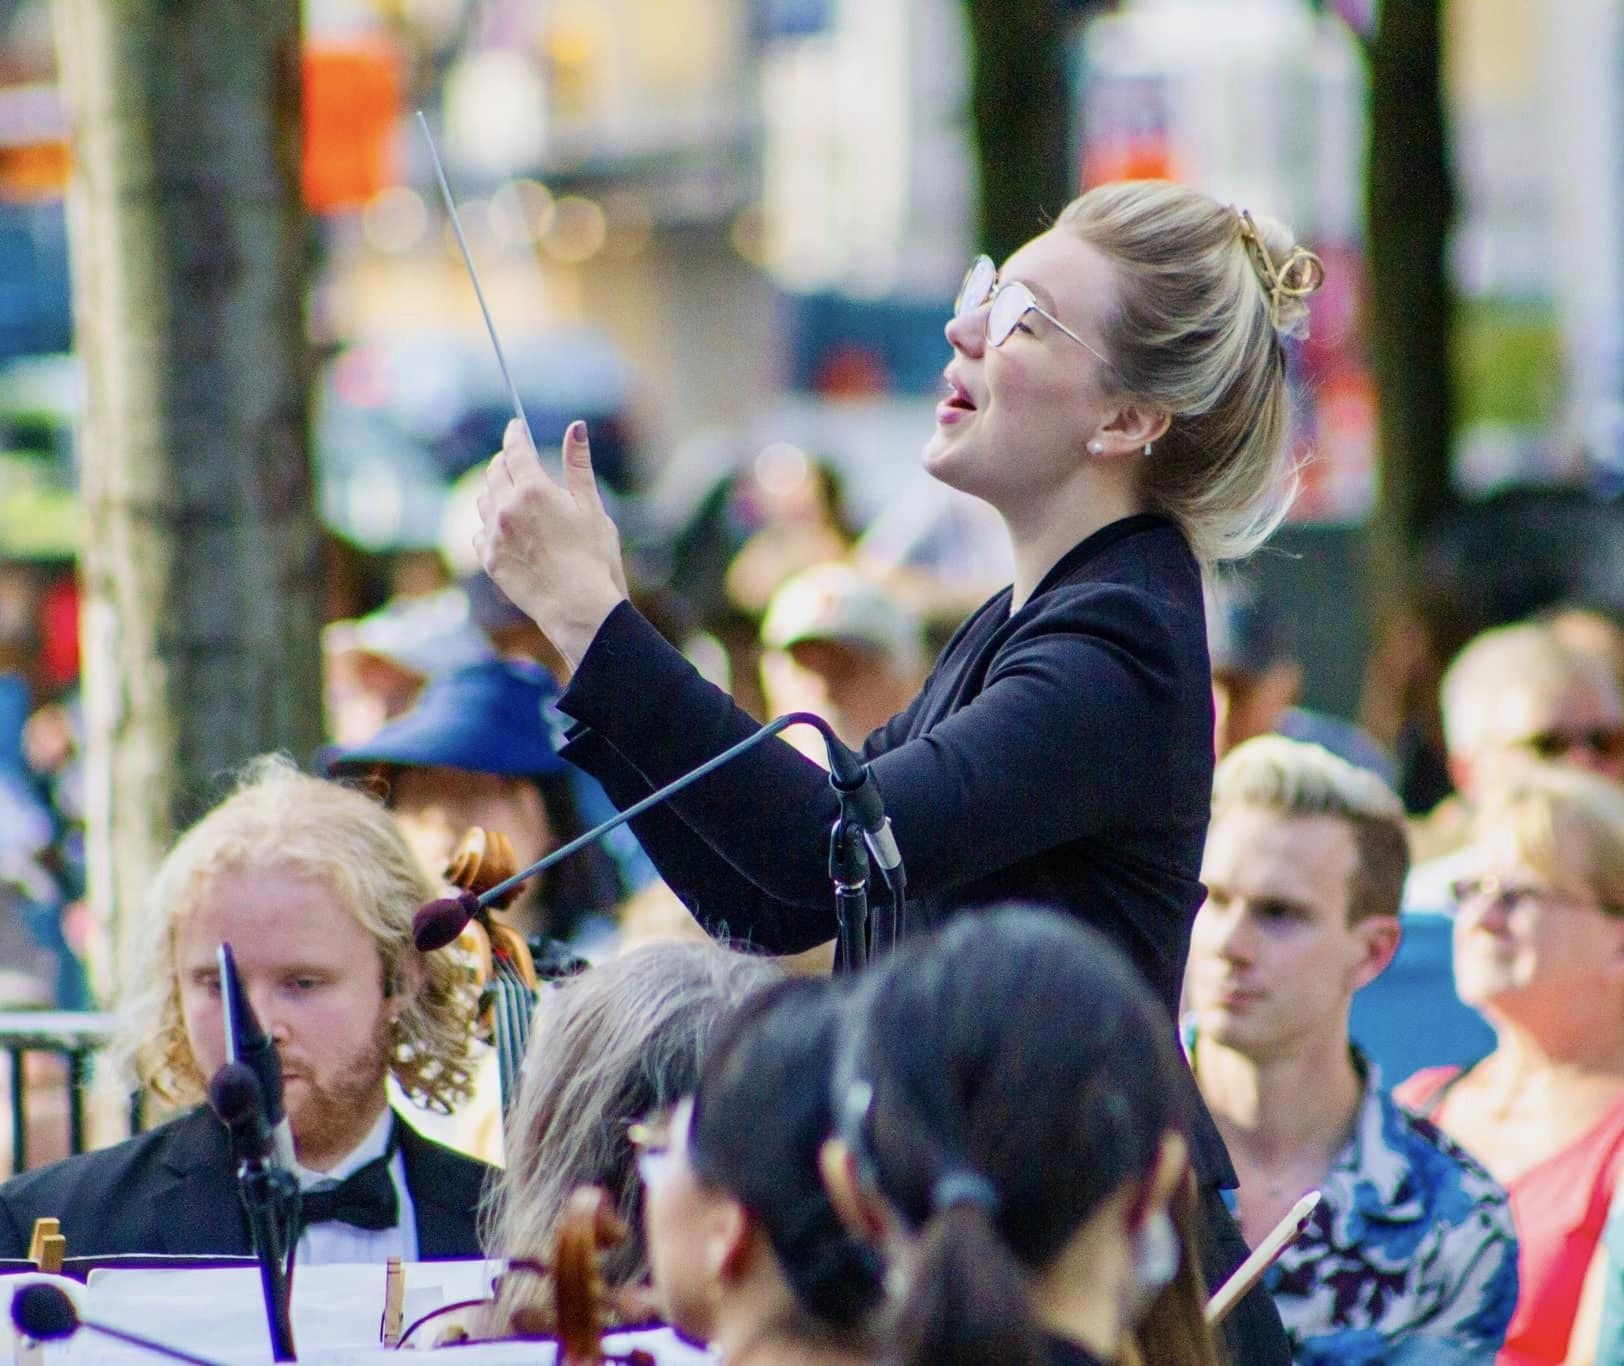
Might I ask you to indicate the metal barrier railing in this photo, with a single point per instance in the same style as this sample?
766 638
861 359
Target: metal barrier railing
73 1035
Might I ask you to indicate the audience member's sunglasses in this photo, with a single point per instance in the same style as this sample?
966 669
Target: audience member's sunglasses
1011 302
1605 742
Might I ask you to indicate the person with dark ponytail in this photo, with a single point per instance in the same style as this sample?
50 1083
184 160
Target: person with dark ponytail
746 1250
1013 1134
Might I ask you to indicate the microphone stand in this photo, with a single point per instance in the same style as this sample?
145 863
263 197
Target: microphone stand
848 870
270 1193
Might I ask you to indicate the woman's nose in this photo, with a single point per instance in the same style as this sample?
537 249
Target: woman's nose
967 331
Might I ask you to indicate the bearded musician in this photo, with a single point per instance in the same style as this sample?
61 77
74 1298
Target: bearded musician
314 889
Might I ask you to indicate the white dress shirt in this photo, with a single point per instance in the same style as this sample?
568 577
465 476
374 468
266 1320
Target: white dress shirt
334 1241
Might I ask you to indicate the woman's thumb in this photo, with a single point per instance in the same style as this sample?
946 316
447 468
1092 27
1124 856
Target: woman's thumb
578 476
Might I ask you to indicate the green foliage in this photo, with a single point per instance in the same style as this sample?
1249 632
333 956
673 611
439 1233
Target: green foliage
1507 361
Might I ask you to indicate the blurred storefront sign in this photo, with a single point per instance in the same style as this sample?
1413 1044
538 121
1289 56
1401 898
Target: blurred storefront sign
352 104
1537 121
34 159
867 169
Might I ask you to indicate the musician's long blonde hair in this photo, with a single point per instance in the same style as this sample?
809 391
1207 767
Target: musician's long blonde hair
281 818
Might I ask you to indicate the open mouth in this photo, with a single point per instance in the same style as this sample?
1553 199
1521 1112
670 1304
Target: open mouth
957 396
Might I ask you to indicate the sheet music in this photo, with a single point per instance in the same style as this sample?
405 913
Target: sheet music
666 1348
337 1310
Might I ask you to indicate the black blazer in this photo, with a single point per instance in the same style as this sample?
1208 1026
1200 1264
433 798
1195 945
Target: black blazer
174 1190
1060 754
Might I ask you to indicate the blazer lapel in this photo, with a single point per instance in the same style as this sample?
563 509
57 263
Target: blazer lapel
445 1188
196 1201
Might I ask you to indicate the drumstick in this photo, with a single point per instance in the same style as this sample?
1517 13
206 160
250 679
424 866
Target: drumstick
468 259
1250 1272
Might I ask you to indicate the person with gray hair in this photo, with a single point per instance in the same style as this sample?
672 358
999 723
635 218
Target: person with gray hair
1539 948
620 1042
1515 697
1411 1254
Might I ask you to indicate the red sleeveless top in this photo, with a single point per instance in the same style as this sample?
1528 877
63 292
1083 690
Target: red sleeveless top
1559 1206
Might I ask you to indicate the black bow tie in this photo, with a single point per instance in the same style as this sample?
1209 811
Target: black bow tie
364 1199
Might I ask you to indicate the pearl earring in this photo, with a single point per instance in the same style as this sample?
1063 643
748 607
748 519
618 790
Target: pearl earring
1147 448
1096 448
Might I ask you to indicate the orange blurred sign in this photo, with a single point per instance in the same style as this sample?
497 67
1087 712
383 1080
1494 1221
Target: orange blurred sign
34 159
352 104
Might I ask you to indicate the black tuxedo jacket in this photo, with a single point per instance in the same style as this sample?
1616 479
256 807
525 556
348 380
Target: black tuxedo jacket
174 1190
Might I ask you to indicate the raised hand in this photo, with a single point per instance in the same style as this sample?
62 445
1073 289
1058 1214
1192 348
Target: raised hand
550 546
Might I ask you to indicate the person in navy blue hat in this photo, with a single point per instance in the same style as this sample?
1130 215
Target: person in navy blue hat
479 747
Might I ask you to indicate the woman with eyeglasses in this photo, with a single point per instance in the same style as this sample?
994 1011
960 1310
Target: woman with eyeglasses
1539 949
1023 1196
1117 393
746 1250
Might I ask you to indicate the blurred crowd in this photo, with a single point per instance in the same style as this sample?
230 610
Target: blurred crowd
1443 977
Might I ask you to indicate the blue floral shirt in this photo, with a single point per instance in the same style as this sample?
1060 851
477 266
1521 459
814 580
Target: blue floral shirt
1411 1255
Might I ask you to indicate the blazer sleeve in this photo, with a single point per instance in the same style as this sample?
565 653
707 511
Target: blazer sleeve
1034 761
717 895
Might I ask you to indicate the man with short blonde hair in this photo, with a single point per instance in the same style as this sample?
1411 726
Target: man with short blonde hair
1412 1247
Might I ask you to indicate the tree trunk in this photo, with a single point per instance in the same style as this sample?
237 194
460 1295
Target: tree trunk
202 559
1410 205
1020 102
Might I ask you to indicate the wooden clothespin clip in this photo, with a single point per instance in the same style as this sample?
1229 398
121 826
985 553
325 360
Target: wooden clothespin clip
47 1247
394 1303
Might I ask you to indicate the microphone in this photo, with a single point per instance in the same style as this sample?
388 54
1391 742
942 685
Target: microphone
441 921
270 1195
237 1102
45 1313
860 793
247 1043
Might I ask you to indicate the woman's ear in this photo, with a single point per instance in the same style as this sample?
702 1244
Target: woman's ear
858 1209
731 1240
1131 429
1172 1161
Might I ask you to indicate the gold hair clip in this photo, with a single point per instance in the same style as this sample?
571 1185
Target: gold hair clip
1299 276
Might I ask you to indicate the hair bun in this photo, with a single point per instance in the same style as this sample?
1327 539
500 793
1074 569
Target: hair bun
1299 273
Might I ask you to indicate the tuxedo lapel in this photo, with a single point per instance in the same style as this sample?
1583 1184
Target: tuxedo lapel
445 1187
195 1201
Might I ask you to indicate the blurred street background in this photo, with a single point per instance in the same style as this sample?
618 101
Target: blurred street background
727 233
